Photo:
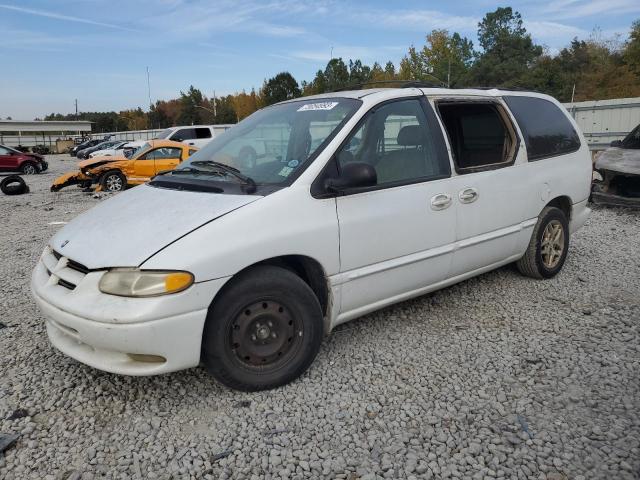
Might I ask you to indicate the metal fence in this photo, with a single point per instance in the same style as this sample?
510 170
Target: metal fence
603 121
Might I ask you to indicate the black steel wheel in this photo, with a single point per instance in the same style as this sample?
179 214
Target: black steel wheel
264 333
264 330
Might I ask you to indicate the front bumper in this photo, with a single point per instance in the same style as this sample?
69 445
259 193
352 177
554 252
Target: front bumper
148 348
72 178
129 336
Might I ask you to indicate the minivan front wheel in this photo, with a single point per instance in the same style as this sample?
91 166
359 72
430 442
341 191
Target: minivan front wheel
548 246
263 331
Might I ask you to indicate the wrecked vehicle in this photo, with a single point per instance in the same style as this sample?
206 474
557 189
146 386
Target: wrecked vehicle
14 160
113 174
370 197
619 167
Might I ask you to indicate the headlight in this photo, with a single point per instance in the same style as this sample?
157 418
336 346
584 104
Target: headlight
127 282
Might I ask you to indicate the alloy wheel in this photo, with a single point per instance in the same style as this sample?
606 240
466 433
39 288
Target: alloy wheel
552 245
114 183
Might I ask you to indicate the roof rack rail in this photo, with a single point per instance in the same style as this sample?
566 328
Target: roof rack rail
400 83
506 89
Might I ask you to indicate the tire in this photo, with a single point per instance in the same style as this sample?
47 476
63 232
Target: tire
13 185
263 331
535 263
29 168
113 181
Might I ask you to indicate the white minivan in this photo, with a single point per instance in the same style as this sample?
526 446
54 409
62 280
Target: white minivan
367 198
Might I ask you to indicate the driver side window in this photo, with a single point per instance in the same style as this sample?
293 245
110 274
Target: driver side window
398 141
162 153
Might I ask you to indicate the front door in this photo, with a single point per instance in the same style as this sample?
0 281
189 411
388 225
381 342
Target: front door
155 161
167 158
396 239
8 159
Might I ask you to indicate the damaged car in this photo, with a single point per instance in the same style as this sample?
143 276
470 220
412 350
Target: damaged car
619 168
113 174
13 160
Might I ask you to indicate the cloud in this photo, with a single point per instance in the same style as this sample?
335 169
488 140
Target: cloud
57 16
222 16
563 9
347 52
32 41
422 20
553 30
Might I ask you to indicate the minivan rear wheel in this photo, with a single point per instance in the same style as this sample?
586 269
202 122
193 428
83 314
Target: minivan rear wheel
548 246
263 331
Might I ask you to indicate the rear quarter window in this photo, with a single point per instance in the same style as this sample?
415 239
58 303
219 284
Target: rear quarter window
546 129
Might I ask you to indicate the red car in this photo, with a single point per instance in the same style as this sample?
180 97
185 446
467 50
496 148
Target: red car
12 160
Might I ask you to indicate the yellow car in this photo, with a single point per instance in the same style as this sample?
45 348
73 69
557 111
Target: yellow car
112 174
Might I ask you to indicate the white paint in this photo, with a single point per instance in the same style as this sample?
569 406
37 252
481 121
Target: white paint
376 248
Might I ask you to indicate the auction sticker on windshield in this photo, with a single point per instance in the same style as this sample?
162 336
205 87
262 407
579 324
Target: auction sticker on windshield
317 106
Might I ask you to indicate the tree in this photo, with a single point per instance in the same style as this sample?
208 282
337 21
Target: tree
448 57
444 59
412 66
336 75
190 114
245 103
358 73
279 88
631 53
508 53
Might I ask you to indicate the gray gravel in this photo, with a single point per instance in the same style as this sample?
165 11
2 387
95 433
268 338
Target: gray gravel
497 377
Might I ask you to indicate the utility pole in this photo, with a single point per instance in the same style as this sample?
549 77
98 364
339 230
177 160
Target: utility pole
149 88
449 74
76 109
214 105
331 55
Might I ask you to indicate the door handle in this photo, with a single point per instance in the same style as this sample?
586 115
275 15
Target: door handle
440 201
468 195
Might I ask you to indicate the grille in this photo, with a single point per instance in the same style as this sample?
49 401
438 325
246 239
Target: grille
66 272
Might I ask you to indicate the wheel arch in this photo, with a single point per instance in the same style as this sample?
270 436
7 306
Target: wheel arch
564 203
308 269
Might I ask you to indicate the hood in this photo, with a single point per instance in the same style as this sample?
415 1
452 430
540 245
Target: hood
34 156
621 160
130 227
95 161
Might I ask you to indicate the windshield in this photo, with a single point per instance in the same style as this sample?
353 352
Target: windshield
272 144
163 134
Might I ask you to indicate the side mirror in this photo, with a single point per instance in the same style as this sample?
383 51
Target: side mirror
353 175
616 143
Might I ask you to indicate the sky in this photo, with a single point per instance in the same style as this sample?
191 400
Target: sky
98 51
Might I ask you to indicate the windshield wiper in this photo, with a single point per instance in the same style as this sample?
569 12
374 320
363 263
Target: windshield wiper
178 171
231 171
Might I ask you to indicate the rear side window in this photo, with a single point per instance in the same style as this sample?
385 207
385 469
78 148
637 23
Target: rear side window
203 132
184 134
479 137
546 129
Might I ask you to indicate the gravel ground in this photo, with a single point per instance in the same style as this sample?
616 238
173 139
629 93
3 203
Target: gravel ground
497 377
